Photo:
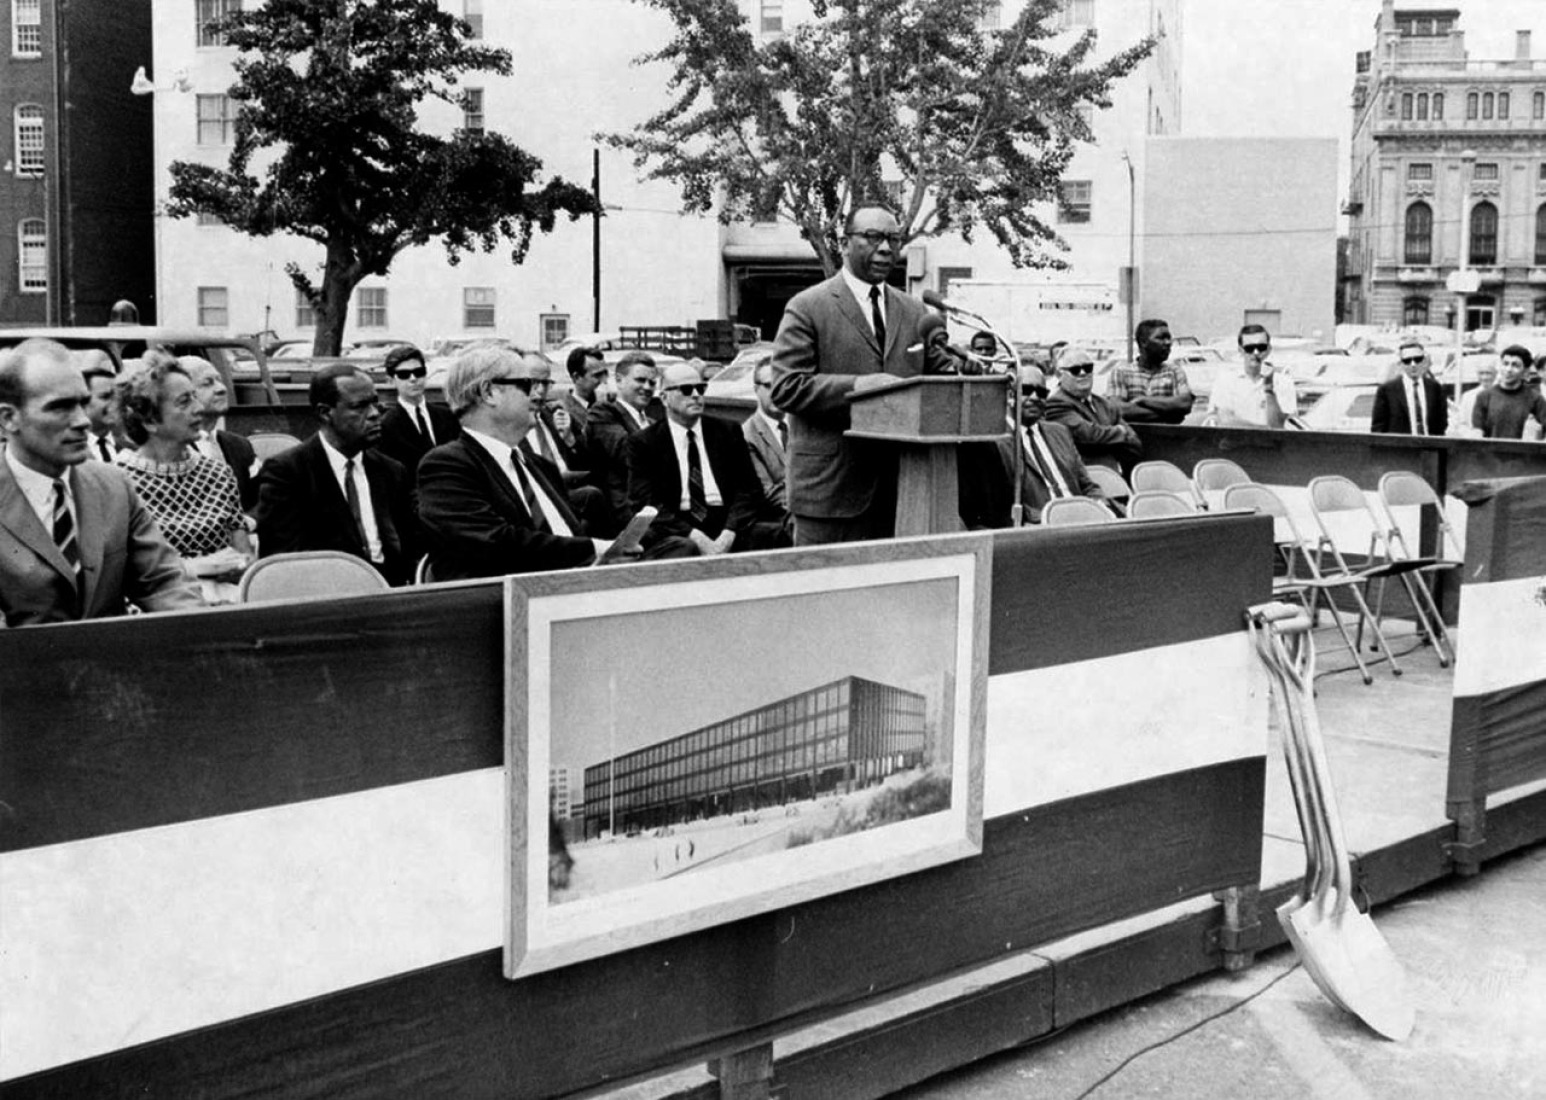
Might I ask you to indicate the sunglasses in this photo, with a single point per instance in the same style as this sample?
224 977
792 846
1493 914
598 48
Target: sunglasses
875 237
410 372
1255 349
1080 369
692 389
522 384
1033 391
1412 361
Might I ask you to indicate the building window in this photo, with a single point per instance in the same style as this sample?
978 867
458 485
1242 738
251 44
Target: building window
1486 170
1484 234
948 275
771 19
1438 106
207 17
1539 320
1076 13
1502 104
1419 233
305 314
1075 201
1414 311
478 307
472 12
1471 100
1486 106
33 257
1406 106
27 28
555 329
29 140
1540 236
1422 107
1419 172
472 110
214 307
216 119
1538 105
370 309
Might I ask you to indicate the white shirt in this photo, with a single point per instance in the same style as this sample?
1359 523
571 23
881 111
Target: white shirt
504 457
711 495
639 419
539 431
413 416
1036 444
336 459
1245 398
861 291
1417 404
39 491
94 447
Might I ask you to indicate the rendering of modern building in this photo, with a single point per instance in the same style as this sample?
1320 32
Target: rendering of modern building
845 734
75 175
1448 172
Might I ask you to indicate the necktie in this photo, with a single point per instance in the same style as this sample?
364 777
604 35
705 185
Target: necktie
877 320
352 498
64 528
1046 465
698 505
783 435
107 455
418 414
538 517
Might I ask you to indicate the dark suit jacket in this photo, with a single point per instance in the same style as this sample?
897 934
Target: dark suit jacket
475 523
123 554
767 457
824 343
579 413
1097 427
654 478
240 456
401 439
1390 412
302 507
607 432
573 453
986 478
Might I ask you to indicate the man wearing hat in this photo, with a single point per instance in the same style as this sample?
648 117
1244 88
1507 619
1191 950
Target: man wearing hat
411 425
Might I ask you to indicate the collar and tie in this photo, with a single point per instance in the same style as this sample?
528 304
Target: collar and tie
352 497
1418 400
1045 463
104 449
783 434
877 319
528 494
418 415
64 533
698 501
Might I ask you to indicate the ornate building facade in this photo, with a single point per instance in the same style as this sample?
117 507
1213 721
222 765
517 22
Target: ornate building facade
1448 172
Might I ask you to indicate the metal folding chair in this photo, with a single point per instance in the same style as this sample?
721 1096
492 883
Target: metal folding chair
1158 504
1211 476
1164 476
1294 548
1404 489
1075 512
1339 499
1111 483
309 575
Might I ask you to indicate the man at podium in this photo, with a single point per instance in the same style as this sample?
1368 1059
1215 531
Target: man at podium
844 335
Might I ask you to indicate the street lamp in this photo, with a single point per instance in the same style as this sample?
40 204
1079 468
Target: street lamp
1464 281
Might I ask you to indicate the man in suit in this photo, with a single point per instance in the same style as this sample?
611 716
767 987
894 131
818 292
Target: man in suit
610 425
333 492
698 476
767 435
216 442
1052 467
75 540
486 511
1413 402
1095 422
96 368
411 426
552 434
840 337
587 371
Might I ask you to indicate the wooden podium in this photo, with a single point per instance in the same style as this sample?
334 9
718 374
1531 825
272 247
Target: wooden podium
925 417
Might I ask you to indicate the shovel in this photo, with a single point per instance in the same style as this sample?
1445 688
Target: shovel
1341 950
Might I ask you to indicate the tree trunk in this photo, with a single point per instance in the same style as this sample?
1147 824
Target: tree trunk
339 278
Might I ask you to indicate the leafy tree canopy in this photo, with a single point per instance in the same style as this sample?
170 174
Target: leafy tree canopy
332 88
978 126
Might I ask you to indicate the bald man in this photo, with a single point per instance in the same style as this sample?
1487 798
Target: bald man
216 442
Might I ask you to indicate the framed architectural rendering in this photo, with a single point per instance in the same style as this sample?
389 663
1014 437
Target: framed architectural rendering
690 743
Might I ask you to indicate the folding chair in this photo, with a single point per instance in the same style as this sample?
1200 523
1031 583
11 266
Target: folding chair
421 572
1075 512
1165 476
1336 496
268 444
1111 483
1157 504
1402 489
308 575
1307 590
1211 476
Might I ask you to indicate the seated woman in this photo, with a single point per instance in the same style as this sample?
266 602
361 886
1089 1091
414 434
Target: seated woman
193 498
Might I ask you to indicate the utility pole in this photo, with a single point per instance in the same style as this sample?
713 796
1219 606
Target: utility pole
595 240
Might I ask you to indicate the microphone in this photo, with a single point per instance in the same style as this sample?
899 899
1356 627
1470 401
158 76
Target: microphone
932 299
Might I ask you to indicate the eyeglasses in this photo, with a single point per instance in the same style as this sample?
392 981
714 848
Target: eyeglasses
522 384
1033 391
410 372
1412 360
692 389
1255 349
875 237
1079 369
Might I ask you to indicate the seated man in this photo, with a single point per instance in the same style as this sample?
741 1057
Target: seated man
486 511
75 540
552 432
1095 422
412 424
106 436
1502 411
334 491
587 371
1257 395
215 442
610 423
1052 466
698 474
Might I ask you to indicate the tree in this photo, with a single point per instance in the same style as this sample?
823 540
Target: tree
977 126
327 96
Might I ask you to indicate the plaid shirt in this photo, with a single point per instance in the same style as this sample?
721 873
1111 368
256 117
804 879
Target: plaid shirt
1130 383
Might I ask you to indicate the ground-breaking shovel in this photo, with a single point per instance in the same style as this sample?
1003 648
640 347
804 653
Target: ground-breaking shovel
1339 946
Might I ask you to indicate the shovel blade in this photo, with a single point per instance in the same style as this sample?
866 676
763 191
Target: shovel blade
1354 967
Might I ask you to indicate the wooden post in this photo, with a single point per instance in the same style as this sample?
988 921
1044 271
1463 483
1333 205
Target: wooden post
746 1074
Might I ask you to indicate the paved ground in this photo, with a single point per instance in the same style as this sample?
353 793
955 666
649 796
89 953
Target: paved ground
1475 956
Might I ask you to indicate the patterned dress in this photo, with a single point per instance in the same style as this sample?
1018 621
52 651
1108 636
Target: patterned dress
194 500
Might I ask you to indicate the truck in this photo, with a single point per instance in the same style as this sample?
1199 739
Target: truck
1044 311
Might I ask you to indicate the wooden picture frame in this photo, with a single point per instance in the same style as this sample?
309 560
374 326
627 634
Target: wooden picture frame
739 734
